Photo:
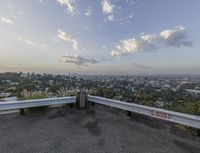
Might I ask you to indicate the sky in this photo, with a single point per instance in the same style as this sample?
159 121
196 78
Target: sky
122 37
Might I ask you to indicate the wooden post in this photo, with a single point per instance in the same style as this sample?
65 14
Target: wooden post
82 100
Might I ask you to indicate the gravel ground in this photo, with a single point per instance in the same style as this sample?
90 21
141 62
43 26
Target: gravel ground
95 130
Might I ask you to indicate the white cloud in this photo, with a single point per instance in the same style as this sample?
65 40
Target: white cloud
69 4
110 17
6 20
77 60
88 12
108 9
176 38
133 45
67 38
149 37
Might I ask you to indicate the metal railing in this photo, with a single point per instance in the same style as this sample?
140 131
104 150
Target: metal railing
181 118
36 103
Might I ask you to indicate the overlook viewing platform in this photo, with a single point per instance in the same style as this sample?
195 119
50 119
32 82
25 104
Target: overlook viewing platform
97 129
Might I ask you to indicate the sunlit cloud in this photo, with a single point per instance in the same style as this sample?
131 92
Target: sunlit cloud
108 9
175 37
77 60
171 37
6 20
88 12
132 45
69 5
110 17
67 38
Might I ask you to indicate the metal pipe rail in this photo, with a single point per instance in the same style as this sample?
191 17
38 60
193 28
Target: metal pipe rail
36 103
181 118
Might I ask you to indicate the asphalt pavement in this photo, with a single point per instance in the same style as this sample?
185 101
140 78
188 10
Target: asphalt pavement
94 130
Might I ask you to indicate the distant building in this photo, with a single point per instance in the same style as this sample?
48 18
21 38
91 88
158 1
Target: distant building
6 81
14 83
4 94
193 91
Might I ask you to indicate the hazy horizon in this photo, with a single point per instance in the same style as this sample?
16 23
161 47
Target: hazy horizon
108 37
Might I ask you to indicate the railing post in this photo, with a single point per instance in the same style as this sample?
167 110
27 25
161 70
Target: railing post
198 132
21 112
129 113
93 104
71 105
82 99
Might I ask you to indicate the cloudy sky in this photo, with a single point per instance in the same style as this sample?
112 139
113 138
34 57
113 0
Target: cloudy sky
100 36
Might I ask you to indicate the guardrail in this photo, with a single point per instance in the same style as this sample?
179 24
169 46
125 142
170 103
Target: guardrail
181 118
36 103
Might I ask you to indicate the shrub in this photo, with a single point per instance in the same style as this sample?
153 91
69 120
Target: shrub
26 95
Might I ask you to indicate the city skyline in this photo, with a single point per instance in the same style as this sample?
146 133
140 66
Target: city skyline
100 37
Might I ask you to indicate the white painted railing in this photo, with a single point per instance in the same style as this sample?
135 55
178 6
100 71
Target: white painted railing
181 118
36 103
